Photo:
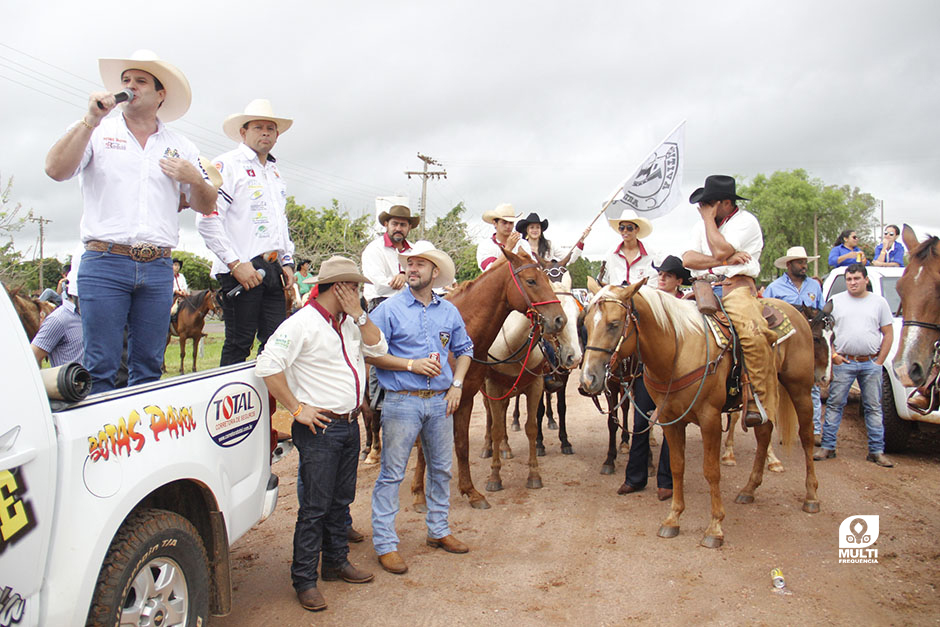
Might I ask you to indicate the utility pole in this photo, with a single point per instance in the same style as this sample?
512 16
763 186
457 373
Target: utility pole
42 223
816 244
424 174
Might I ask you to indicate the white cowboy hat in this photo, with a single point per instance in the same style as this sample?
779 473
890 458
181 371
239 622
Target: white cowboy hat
178 93
794 252
259 109
425 249
504 211
337 269
629 215
215 177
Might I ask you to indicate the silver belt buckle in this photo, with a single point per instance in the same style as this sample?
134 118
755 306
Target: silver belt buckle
143 252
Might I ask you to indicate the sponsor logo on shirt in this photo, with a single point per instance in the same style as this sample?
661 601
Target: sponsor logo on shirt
114 143
445 338
171 153
218 166
249 172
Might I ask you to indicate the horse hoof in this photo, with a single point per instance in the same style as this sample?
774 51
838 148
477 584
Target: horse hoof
775 467
363 455
712 542
624 447
540 451
372 459
494 486
811 507
552 425
534 483
607 469
480 504
567 450
667 532
728 461
744 499
486 453
515 427
506 454
421 508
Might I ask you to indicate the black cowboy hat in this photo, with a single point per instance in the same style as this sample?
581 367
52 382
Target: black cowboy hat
532 218
674 265
717 187
178 260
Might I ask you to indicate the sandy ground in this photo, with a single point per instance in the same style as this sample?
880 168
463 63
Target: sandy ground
576 552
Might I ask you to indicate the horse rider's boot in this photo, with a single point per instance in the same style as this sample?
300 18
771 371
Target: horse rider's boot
754 418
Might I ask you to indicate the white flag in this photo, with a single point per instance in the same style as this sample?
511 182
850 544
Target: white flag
654 189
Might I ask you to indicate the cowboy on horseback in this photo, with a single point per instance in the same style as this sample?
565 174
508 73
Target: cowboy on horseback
728 243
180 288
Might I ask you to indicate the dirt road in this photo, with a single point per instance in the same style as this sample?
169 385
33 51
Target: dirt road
575 552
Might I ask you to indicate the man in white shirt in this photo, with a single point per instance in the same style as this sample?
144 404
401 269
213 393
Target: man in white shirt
728 242
248 232
503 219
380 258
135 175
314 366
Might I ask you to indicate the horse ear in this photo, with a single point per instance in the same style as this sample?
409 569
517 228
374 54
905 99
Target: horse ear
593 286
827 308
909 238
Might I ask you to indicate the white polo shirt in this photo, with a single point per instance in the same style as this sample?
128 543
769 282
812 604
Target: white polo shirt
380 265
250 216
742 231
488 251
127 197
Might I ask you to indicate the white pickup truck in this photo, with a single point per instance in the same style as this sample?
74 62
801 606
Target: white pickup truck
120 509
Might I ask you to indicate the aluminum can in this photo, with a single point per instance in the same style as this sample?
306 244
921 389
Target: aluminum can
436 357
858 257
777 576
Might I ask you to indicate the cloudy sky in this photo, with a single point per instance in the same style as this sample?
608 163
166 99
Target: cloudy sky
546 105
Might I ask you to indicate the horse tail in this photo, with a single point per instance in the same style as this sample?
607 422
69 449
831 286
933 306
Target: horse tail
786 417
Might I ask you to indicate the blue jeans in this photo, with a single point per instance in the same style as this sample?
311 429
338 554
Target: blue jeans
404 417
328 462
117 291
868 374
817 411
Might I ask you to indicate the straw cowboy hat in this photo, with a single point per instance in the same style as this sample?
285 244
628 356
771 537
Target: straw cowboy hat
629 215
503 212
215 177
532 218
399 211
674 265
337 269
794 252
717 187
425 250
178 94
259 109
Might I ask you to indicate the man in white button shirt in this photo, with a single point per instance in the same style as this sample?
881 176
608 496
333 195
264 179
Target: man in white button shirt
248 232
503 219
380 258
135 175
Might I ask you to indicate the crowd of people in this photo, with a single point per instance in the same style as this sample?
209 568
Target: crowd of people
137 175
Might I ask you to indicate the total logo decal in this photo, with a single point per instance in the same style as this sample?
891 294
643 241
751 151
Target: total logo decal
856 535
232 413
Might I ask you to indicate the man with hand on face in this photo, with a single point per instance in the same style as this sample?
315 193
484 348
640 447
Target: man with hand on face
421 396
248 232
314 366
135 174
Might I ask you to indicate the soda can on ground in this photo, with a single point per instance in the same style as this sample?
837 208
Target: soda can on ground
777 576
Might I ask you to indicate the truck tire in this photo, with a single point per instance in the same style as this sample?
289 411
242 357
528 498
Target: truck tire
897 430
155 573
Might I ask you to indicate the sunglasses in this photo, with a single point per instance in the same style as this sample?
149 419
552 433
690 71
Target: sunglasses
891 233
629 228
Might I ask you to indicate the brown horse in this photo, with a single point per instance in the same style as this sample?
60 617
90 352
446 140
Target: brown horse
664 331
916 360
190 319
513 284
30 310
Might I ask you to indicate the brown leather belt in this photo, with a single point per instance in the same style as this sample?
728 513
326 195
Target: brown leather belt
420 393
347 417
860 358
141 252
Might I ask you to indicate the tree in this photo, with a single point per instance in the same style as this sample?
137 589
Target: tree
581 269
451 234
786 203
196 270
10 223
320 233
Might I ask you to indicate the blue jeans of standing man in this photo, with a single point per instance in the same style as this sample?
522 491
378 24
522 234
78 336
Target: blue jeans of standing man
868 374
117 291
328 461
405 417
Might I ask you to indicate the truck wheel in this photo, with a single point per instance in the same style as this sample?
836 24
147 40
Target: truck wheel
897 430
155 573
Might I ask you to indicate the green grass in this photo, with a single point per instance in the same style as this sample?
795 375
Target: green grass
208 360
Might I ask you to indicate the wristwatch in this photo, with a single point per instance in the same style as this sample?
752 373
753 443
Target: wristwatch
457 383
361 320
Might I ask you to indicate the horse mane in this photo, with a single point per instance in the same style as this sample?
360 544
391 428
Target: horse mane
666 308
194 300
927 248
468 285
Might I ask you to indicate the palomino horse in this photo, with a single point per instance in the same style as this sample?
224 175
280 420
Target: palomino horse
190 319
31 311
484 303
664 332
820 323
518 366
916 361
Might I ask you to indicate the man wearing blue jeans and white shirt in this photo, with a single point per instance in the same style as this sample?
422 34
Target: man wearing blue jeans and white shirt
863 336
794 288
421 397
135 175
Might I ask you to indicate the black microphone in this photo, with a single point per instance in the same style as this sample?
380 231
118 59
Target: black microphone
125 95
238 289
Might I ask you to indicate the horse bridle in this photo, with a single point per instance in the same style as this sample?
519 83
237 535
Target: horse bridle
532 312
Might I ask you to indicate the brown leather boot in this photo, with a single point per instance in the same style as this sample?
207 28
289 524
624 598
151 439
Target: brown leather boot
753 419
393 563
354 536
448 543
347 572
311 600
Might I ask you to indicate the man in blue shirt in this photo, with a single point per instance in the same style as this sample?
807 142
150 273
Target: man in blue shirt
421 397
60 336
793 287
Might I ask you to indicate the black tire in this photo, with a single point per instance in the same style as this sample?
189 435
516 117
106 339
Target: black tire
897 430
153 544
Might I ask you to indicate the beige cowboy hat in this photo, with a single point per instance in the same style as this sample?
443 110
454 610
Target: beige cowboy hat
215 177
629 215
794 252
259 109
178 93
425 249
504 211
399 211
337 269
